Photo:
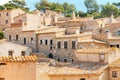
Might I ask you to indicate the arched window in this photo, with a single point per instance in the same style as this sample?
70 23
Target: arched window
118 32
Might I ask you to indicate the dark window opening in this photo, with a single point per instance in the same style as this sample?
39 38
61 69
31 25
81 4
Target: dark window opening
82 79
65 45
46 42
16 37
58 45
10 53
58 60
111 45
7 14
40 41
65 60
73 44
114 74
51 42
51 55
31 39
2 63
6 21
117 45
9 37
24 40
50 47
72 60
23 53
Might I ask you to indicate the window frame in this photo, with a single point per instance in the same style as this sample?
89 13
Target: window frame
103 59
114 74
65 44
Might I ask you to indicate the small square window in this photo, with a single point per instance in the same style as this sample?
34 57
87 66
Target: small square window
40 41
7 14
114 74
46 42
23 53
102 57
6 21
10 53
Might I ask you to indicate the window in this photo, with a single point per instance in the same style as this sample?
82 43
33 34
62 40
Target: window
23 53
51 42
118 32
101 57
40 41
31 39
46 42
73 44
9 37
65 44
6 21
59 45
117 45
10 53
114 74
2 78
7 14
16 37
2 64
65 60
24 40
82 79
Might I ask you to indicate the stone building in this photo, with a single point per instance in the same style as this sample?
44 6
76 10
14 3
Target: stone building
18 68
86 42
7 17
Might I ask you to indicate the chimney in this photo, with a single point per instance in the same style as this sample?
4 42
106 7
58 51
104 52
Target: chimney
55 18
77 31
73 15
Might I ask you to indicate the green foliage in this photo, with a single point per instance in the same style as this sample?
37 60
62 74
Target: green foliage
65 8
15 4
109 9
91 6
1 35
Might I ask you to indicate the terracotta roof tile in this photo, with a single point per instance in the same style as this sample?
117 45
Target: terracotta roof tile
17 58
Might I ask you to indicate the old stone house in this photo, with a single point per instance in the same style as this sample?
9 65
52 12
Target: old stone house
7 17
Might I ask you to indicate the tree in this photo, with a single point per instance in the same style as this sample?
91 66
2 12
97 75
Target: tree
43 4
108 9
117 4
65 8
16 4
82 14
91 6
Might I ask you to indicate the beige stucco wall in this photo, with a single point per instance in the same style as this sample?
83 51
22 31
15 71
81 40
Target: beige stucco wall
104 75
90 57
75 77
18 71
92 45
16 48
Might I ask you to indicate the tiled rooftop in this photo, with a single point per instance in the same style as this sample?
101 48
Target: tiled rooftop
17 58
95 50
115 64
44 69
